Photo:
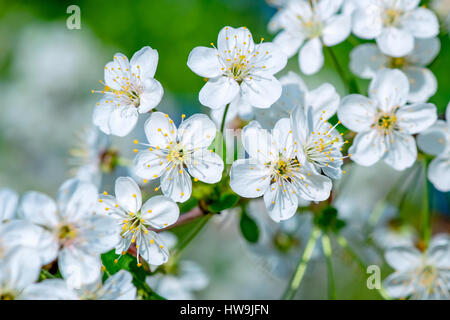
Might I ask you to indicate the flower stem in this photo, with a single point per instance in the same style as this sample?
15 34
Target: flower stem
326 245
344 244
426 215
301 267
224 117
351 89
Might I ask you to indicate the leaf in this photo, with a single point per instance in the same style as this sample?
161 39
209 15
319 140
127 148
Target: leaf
249 228
225 201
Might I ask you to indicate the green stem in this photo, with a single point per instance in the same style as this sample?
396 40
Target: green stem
194 232
301 267
326 245
47 275
124 162
344 244
342 74
224 117
426 216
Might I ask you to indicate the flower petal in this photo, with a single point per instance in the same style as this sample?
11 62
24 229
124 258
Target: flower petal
160 212
76 199
176 184
390 88
367 148
152 93
128 194
150 164
367 23
327 8
281 201
422 23
144 62
313 186
425 50
154 253
8 204
422 84
160 130
261 91
434 139
38 208
438 252
101 234
402 151
269 59
117 72
119 286
366 59
206 166
399 284
234 39
51 289
218 92
205 62
289 42
20 268
403 258
324 100
414 118
122 120
198 131
248 179
77 267
311 57
283 138
258 142
336 30
395 42
439 173
357 112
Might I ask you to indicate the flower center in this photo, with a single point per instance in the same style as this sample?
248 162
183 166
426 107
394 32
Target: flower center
109 159
7 295
391 17
284 242
397 63
67 233
239 68
386 122
313 27
427 276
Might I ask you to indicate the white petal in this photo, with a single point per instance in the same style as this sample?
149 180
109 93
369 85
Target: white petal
367 148
8 204
156 253
395 42
311 57
176 185
160 212
422 84
281 201
366 59
403 258
417 117
367 23
101 234
336 30
152 93
39 209
102 113
128 194
357 112
300 124
269 59
399 284
206 166
147 60
76 199
402 151
150 164
439 173
51 289
327 8
160 130
198 131
20 268
261 91
122 120
390 88
425 50
438 252
205 62
248 179
288 42
313 187
324 98
283 138
434 139
258 142
234 39
218 92
422 23
117 71
77 267
118 287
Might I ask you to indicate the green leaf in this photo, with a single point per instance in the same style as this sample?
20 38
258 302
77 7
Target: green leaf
249 228
225 201
327 220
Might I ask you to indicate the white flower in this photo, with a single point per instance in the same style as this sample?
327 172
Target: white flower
18 270
436 141
420 275
137 220
384 122
394 24
116 287
177 154
367 59
8 204
296 93
308 25
93 156
273 170
78 237
239 71
129 89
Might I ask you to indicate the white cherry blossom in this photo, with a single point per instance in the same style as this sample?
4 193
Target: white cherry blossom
274 171
308 26
129 89
8 204
367 59
174 155
240 72
138 221
384 122
394 24
436 141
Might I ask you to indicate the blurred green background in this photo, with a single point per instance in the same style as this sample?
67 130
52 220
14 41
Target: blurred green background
48 71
